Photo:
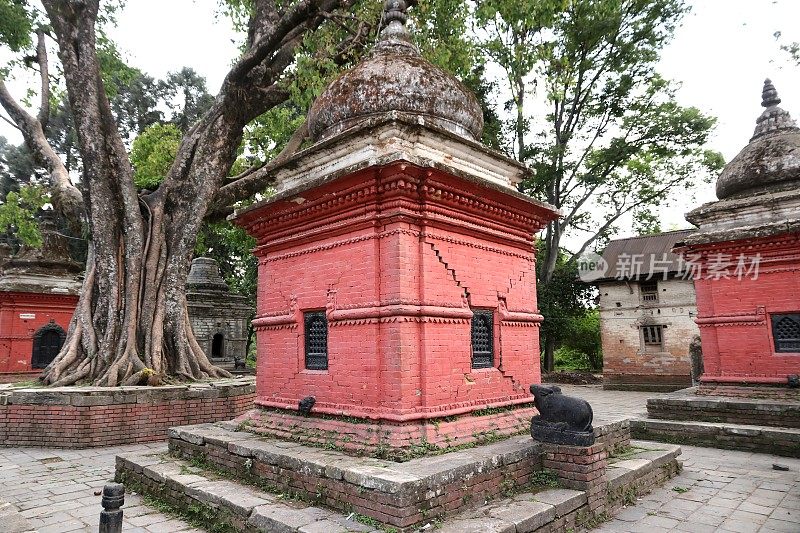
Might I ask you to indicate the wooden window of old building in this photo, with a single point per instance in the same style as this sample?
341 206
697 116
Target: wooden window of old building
649 290
482 338
652 338
786 332
316 326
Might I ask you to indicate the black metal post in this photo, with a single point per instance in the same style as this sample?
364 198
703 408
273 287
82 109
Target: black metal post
111 515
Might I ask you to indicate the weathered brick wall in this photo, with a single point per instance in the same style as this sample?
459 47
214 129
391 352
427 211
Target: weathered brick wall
625 364
76 417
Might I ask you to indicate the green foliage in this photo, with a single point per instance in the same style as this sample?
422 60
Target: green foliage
19 213
186 95
152 154
16 24
581 346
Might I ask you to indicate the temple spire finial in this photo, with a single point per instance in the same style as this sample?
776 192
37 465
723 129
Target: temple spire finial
773 118
769 95
394 36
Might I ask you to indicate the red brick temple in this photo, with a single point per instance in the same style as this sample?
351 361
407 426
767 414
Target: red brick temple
746 256
396 267
38 294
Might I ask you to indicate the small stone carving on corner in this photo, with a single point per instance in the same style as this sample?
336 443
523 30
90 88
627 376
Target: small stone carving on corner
562 419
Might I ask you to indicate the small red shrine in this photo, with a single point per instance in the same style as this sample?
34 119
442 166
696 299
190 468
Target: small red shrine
746 256
396 266
38 294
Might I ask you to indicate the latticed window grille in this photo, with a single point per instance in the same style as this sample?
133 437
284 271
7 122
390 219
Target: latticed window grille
316 325
482 338
786 332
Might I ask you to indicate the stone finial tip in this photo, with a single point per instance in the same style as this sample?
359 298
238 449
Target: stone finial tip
769 96
394 10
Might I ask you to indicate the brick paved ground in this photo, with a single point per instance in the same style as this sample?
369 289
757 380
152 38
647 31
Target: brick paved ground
55 490
719 490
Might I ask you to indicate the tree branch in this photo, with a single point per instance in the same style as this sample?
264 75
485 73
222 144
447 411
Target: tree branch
41 58
65 196
257 179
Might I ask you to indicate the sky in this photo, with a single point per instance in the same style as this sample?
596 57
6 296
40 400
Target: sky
720 56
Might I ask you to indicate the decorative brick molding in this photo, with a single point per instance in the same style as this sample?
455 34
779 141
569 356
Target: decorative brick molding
85 417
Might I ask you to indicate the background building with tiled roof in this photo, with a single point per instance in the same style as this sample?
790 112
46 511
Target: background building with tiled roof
647 310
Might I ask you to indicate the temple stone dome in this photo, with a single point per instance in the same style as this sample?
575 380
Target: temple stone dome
771 161
395 78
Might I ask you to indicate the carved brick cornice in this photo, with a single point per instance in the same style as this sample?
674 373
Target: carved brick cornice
756 318
401 190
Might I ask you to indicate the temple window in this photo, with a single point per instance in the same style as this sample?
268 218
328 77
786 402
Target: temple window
482 338
316 333
786 332
652 338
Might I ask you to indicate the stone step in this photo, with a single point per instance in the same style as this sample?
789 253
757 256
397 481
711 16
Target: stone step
224 502
760 439
561 509
686 405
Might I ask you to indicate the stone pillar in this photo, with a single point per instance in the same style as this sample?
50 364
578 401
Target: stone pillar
580 468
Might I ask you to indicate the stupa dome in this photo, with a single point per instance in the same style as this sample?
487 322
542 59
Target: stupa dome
771 161
395 78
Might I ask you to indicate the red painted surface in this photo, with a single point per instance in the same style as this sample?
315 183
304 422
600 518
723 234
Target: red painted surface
17 328
735 315
396 257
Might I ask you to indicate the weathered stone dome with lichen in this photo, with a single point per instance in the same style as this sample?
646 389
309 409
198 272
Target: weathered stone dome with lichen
395 78
771 161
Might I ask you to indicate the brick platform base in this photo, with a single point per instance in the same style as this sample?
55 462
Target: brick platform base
402 496
733 410
391 441
84 417
771 392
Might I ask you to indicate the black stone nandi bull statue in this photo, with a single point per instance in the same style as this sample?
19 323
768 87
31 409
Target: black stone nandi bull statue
562 419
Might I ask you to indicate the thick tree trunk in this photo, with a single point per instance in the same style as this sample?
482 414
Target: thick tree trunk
131 324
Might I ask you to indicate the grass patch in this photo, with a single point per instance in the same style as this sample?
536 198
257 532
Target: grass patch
680 490
28 384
